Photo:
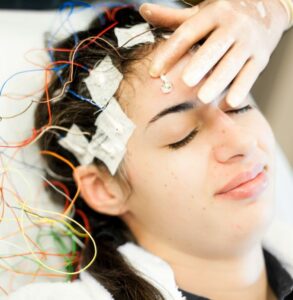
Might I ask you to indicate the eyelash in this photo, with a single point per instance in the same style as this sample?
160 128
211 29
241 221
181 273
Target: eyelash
193 133
240 110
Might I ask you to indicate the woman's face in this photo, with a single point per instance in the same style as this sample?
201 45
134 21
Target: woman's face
173 201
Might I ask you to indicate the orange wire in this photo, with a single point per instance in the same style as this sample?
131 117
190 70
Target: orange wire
66 161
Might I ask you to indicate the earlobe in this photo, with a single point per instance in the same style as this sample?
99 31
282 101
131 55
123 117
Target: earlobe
100 190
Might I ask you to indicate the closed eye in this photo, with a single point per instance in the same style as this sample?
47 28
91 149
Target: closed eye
185 141
240 110
193 133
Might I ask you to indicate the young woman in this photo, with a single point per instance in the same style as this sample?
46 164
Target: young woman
180 212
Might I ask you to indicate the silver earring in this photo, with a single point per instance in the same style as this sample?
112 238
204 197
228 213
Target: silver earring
167 86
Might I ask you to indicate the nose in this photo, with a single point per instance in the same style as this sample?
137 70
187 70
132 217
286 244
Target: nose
233 141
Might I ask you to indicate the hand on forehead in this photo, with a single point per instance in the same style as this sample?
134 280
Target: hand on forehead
242 35
143 98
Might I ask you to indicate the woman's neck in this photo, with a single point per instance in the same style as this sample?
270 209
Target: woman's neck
242 277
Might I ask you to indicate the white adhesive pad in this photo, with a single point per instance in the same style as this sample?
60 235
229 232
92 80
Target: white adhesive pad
138 34
103 82
109 142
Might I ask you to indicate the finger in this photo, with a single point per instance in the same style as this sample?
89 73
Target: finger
186 35
162 16
243 83
227 69
207 56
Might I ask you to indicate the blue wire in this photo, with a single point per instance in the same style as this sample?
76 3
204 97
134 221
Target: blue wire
3 152
83 98
71 5
21 162
27 71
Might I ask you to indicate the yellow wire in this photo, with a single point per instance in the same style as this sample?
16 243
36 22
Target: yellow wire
28 209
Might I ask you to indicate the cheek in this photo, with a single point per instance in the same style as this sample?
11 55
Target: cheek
188 169
170 174
169 185
266 138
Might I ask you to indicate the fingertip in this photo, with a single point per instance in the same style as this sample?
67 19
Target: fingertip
204 96
190 79
234 100
195 9
154 72
145 10
144 6
157 64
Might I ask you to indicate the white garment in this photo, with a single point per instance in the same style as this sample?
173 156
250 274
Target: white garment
279 242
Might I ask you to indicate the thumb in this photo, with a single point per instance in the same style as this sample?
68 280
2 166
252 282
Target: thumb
164 16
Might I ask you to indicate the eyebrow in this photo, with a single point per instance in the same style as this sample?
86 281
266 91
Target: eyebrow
182 107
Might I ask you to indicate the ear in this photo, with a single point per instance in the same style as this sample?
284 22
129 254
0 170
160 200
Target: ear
102 192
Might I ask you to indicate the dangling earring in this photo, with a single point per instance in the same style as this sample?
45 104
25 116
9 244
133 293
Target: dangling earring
167 86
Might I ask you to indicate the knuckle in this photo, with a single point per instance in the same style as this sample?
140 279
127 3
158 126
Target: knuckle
185 32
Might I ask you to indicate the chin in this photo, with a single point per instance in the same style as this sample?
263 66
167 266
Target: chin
257 220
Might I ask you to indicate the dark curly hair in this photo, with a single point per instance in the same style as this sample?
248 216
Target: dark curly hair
109 232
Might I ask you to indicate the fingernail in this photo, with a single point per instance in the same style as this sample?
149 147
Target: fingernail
146 13
234 101
191 79
145 10
155 70
205 95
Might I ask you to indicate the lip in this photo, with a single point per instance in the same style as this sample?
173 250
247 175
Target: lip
245 185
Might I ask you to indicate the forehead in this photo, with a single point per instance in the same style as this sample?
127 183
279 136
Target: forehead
142 97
